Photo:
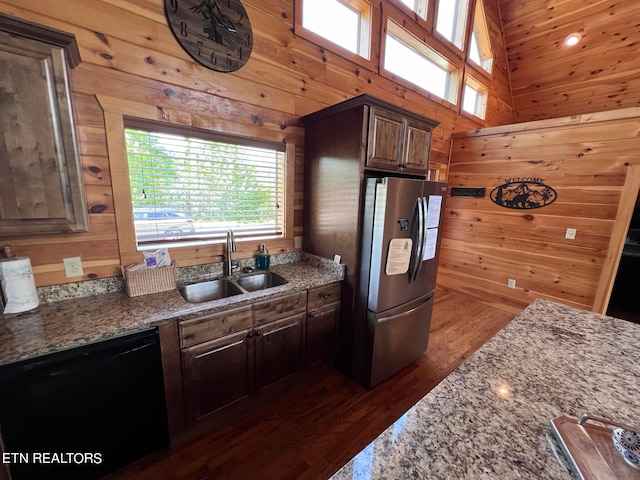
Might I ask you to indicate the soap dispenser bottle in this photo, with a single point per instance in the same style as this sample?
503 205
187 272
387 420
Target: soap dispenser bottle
263 259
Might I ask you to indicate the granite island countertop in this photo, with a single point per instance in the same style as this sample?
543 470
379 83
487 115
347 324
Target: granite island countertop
489 419
70 323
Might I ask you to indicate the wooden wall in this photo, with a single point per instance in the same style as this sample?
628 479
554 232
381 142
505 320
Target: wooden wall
128 52
550 80
587 160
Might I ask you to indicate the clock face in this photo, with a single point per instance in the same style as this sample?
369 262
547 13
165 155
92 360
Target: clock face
216 34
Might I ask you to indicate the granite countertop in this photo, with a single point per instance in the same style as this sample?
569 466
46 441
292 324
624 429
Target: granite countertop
70 323
490 418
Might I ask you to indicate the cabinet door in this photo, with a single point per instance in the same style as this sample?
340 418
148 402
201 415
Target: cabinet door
278 350
384 146
322 325
416 147
41 189
216 374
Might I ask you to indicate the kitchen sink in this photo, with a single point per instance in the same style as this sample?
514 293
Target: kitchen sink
206 291
260 281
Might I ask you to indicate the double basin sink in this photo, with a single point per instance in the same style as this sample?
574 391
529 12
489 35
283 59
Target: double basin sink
224 287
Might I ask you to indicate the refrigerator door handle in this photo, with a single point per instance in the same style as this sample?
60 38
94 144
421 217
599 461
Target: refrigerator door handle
416 236
422 240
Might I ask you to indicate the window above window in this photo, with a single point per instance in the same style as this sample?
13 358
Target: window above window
345 23
409 58
188 188
451 20
480 51
417 6
474 97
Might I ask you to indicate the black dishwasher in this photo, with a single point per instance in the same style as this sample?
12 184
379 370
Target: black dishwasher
84 412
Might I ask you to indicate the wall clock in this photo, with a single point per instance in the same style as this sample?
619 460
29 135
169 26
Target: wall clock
215 33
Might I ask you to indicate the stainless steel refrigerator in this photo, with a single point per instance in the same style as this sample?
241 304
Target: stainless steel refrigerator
401 224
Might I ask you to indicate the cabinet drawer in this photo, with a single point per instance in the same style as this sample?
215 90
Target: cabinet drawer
280 307
324 295
206 328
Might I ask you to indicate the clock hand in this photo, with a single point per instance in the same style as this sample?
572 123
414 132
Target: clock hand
212 30
222 19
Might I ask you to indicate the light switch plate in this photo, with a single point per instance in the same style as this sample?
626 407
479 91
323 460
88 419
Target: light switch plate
72 267
511 283
571 234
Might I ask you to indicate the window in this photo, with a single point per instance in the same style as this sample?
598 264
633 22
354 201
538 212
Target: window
474 98
342 22
409 58
418 6
188 187
480 46
451 20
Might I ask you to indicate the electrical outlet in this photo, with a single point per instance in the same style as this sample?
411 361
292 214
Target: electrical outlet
297 241
72 267
571 234
511 283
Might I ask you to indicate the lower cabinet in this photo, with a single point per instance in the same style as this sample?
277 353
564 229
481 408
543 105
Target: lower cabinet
322 324
217 374
278 350
230 359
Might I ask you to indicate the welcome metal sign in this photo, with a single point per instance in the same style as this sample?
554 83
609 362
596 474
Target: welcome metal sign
523 193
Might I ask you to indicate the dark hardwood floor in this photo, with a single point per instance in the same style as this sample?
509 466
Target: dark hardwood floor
312 430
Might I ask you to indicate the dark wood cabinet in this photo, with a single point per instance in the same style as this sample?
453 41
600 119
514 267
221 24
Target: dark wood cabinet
217 374
396 142
230 357
281 307
202 329
322 323
278 338
344 144
278 350
417 146
41 188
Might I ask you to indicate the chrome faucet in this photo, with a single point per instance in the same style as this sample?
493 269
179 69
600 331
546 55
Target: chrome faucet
231 247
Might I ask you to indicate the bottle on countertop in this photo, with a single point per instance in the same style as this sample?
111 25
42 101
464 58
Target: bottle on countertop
263 259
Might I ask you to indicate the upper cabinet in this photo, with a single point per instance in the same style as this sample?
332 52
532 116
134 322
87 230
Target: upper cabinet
41 189
397 143
396 140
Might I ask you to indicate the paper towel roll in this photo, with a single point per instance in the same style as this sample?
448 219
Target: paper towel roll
18 285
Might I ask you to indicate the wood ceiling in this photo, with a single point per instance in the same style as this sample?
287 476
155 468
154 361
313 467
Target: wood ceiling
550 80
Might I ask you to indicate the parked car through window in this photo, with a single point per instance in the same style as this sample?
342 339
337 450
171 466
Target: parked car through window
161 223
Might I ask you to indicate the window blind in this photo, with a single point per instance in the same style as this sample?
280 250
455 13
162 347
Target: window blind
190 188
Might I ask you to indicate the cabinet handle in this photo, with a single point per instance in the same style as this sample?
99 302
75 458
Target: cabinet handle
311 314
324 295
266 334
219 349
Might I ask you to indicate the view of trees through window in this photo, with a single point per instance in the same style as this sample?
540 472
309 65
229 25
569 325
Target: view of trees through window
189 187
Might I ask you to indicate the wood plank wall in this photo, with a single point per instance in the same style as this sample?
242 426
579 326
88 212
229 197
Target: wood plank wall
551 80
586 159
129 52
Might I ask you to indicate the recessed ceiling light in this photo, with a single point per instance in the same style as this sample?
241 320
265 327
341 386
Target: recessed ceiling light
572 39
